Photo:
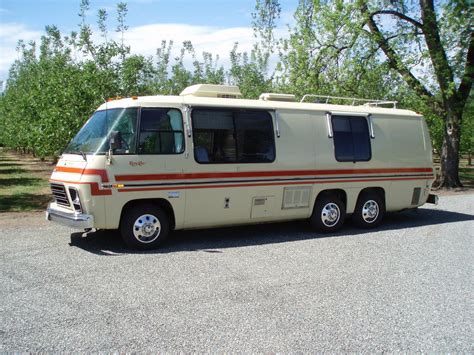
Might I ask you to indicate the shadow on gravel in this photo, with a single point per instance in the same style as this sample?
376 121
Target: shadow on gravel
214 240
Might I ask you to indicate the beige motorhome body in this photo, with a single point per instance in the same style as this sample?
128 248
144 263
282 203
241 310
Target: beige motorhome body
212 161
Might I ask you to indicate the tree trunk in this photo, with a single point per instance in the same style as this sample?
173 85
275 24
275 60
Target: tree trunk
450 154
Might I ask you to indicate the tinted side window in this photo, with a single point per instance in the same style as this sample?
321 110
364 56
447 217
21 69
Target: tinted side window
161 131
255 138
228 136
361 138
351 138
343 144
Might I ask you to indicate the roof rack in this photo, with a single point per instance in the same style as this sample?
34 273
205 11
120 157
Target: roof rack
364 102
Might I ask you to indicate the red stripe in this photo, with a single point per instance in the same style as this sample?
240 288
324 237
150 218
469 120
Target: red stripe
250 174
265 184
96 191
100 172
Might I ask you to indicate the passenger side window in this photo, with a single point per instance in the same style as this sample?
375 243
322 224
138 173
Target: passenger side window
161 131
351 138
232 136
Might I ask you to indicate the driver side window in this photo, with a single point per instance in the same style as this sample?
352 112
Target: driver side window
124 127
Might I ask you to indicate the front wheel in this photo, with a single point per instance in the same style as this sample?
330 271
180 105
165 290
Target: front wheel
144 226
328 214
369 210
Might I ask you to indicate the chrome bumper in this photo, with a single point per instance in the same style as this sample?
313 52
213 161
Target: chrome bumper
73 219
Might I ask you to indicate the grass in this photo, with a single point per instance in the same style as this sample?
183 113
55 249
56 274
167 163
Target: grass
24 182
466 172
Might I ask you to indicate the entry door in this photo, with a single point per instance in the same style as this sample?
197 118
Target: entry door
231 145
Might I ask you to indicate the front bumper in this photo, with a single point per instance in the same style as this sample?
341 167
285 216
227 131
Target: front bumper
70 219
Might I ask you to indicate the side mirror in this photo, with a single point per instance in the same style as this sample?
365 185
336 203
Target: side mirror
115 141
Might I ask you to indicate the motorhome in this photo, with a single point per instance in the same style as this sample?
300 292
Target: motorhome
149 165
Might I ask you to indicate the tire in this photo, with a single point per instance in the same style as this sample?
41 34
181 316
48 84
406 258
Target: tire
144 226
369 210
329 214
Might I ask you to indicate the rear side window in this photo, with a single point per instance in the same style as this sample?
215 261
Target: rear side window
351 138
161 131
232 136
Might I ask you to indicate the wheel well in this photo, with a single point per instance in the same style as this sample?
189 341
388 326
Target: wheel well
341 194
377 190
159 202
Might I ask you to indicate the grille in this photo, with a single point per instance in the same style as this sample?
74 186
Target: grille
59 193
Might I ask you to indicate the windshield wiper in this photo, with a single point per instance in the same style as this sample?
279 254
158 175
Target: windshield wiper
84 155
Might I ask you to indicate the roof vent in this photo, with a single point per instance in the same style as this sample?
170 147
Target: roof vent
210 90
268 96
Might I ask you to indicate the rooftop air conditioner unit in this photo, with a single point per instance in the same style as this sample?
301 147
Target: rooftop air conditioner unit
211 90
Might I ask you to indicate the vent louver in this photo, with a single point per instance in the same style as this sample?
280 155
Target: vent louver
296 197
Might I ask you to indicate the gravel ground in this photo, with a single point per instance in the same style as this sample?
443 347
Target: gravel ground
268 288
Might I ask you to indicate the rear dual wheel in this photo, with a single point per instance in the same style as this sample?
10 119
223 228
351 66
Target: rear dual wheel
329 213
369 210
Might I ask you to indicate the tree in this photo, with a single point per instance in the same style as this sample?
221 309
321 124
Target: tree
429 47
53 88
249 72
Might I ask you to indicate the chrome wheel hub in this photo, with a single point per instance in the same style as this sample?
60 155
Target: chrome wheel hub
370 211
146 228
330 214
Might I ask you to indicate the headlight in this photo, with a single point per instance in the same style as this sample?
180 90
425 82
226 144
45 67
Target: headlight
76 202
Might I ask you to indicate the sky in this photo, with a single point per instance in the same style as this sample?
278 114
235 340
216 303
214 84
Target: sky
211 25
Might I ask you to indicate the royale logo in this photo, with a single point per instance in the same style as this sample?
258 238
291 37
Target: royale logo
136 163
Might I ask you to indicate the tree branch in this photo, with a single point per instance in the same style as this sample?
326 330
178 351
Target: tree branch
394 60
375 50
468 77
399 15
443 71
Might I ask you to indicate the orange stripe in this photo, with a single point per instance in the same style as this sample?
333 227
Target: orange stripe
266 184
100 172
248 174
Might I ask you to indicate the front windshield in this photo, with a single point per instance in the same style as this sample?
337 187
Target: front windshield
94 136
